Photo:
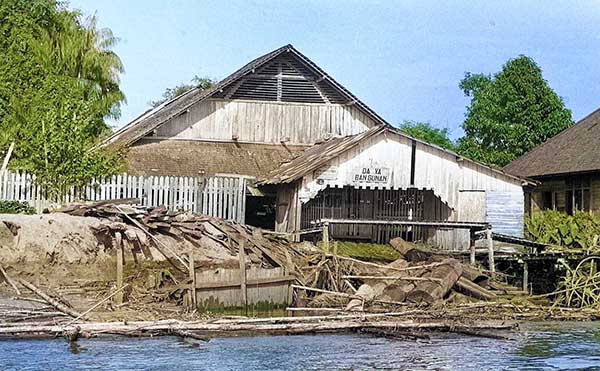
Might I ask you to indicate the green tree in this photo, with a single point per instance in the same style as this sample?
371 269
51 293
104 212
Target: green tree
425 132
59 80
510 113
196 82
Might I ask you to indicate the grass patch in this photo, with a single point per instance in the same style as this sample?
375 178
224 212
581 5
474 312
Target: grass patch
366 251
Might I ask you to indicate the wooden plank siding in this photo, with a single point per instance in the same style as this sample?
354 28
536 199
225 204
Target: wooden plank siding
443 174
435 169
265 122
558 186
219 290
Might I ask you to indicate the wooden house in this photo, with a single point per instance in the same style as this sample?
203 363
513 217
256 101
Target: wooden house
282 108
382 183
567 167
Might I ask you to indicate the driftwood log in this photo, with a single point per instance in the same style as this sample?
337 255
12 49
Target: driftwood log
412 252
50 300
472 289
276 326
430 291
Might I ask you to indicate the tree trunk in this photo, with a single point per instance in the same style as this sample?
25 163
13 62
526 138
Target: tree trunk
429 291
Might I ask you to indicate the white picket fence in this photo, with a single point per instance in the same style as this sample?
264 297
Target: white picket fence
218 196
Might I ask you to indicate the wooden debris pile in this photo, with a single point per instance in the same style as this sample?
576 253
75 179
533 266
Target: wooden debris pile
421 277
161 234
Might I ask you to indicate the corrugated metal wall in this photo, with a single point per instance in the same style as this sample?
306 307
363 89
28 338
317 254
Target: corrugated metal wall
505 212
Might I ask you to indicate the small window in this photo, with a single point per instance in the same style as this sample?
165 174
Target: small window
578 195
547 201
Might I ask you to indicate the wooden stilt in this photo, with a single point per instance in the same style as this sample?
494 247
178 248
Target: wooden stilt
326 237
243 286
192 269
525 276
120 256
490 245
472 247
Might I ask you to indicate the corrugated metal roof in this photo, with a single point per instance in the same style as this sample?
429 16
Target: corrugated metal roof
152 119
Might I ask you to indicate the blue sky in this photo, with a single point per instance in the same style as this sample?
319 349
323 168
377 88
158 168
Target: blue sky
403 58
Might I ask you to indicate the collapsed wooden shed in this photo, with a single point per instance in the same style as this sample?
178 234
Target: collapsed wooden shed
382 184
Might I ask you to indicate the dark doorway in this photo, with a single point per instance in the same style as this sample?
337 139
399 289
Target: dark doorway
260 211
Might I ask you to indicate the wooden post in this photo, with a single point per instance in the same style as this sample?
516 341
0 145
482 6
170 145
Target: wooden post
193 298
490 245
7 157
325 237
242 256
120 256
525 276
472 246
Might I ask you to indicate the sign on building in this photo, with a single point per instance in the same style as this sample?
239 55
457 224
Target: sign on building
371 176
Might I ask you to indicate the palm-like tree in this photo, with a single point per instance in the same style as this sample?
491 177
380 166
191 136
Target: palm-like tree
82 51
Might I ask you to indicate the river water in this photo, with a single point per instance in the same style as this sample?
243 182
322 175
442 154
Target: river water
548 346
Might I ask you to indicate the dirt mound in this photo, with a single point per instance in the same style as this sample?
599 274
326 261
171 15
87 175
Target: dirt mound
48 238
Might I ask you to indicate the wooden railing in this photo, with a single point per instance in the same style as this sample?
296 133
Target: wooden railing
219 196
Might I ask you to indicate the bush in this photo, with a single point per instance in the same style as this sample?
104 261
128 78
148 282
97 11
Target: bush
580 230
16 207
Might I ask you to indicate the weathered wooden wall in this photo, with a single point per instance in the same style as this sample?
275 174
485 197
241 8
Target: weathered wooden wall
443 172
558 186
219 290
435 169
265 122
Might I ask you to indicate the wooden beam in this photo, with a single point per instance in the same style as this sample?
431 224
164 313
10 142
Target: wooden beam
193 297
243 286
119 250
325 237
490 245
445 224
525 276
7 157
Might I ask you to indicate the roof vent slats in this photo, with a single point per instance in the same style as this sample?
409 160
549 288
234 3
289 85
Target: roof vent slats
285 79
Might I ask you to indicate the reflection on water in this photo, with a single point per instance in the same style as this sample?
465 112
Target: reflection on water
547 346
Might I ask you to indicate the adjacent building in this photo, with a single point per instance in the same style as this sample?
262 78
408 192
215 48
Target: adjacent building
567 167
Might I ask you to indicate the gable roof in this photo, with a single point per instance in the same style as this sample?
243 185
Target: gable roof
319 155
153 118
575 149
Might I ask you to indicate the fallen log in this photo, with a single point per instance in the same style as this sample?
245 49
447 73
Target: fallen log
170 327
364 295
55 303
343 294
8 280
395 278
410 251
472 289
441 280
394 334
